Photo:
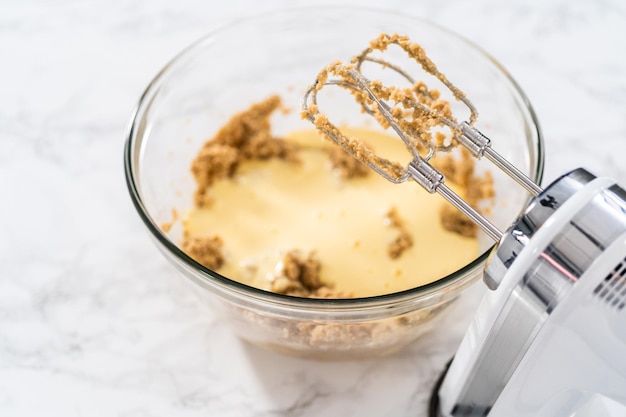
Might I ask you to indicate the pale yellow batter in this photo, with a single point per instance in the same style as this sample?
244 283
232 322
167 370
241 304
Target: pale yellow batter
274 206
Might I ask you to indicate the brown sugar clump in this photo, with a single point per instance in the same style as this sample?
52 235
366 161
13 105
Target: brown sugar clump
300 277
481 188
457 222
297 276
477 189
345 164
246 135
401 243
263 146
211 163
458 170
205 250
404 240
244 125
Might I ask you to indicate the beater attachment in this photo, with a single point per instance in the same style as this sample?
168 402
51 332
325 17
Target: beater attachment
419 117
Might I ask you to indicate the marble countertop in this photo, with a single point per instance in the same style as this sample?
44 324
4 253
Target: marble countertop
94 322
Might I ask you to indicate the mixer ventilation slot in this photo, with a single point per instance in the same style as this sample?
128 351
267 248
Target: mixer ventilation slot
613 289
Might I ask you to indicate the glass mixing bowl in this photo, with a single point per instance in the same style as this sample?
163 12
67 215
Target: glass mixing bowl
281 53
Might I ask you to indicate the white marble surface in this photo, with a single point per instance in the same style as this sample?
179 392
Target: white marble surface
94 322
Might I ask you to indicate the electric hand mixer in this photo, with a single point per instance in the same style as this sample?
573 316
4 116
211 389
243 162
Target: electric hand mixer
549 339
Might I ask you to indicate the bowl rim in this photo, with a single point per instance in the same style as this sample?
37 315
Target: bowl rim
214 279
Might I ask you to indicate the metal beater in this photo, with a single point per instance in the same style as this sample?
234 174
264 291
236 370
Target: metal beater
419 169
550 338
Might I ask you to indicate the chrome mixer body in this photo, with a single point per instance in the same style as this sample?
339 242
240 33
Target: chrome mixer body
549 338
